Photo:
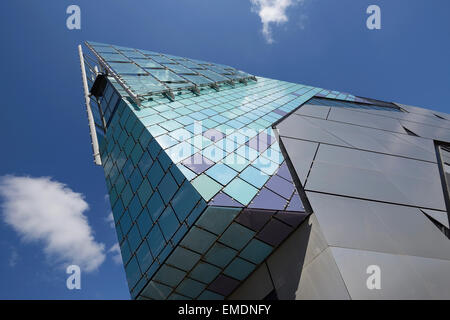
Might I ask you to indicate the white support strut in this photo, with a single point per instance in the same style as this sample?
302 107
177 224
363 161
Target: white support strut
87 99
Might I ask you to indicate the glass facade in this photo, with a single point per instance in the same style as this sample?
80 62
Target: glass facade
200 190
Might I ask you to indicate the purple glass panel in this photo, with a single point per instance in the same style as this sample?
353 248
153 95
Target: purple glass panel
265 138
291 218
223 200
213 134
283 172
267 199
320 95
280 186
274 232
261 142
295 204
253 143
254 219
197 163
280 112
223 285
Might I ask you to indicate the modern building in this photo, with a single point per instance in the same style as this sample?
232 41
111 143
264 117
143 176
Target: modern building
224 185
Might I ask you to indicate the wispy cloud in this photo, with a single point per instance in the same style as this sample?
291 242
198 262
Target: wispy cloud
117 256
110 220
272 12
14 256
46 211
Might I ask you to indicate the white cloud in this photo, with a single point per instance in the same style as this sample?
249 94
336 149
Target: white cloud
272 12
117 256
110 220
46 211
13 258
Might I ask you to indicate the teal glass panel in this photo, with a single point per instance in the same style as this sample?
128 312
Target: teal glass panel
155 290
217 219
237 236
185 200
190 288
198 240
155 240
183 259
241 191
132 272
134 238
144 192
135 207
125 222
155 206
206 186
169 276
144 256
168 222
254 176
167 187
205 272
155 174
221 173
144 222
256 251
239 269
209 295
135 180
220 255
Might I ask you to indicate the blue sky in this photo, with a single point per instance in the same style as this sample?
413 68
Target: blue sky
44 130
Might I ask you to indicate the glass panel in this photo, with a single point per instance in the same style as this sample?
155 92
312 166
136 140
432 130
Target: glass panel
166 75
134 54
190 64
178 68
114 57
125 68
162 59
196 79
147 63
143 84
212 75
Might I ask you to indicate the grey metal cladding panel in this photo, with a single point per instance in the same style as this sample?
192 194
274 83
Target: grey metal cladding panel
402 277
256 287
313 111
298 251
375 226
426 144
369 175
439 216
299 127
422 111
321 279
365 119
426 131
301 153
429 119
379 141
